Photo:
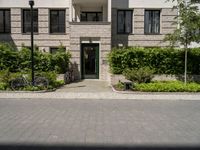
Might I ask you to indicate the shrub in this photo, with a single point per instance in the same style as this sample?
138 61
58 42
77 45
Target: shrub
142 75
6 77
170 86
3 86
8 57
51 76
161 60
120 86
61 61
17 61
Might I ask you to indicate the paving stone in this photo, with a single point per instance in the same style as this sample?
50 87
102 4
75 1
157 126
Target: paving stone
100 122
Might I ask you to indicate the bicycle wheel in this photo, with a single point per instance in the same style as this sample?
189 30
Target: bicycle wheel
18 83
67 77
41 82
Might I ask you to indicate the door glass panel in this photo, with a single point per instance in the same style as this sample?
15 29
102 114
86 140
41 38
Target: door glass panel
89 56
90 64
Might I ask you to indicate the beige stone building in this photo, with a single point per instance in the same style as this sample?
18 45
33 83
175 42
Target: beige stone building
87 28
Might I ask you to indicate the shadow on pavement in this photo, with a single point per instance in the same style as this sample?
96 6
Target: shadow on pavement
79 147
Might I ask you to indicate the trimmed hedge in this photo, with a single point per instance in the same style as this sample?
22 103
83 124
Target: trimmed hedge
17 61
161 60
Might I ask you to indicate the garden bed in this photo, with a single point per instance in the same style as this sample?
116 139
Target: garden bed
15 73
161 86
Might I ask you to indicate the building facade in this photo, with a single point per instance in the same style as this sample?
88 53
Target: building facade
87 28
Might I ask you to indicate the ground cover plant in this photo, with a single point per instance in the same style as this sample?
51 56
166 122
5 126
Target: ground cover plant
170 86
162 86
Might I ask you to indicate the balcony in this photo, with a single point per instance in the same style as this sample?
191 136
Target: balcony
93 11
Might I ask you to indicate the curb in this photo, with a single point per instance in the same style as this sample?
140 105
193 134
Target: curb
120 92
42 91
154 93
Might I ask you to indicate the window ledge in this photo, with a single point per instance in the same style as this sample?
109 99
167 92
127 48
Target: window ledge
30 33
4 33
57 33
153 34
125 33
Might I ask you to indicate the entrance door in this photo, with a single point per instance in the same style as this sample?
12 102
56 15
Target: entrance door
90 61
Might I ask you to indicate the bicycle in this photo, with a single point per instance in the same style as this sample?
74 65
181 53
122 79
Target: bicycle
22 82
69 76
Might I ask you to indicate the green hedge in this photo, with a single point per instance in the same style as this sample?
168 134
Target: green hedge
17 61
161 60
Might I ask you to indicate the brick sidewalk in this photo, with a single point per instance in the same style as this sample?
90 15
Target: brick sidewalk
99 122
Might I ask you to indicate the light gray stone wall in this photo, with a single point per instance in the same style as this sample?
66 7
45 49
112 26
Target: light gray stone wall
138 38
43 39
97 33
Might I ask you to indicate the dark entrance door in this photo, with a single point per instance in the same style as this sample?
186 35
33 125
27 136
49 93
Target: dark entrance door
90 61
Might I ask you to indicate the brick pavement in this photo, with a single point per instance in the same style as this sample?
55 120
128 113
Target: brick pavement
99 122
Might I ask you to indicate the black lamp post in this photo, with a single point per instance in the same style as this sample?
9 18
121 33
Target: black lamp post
31 3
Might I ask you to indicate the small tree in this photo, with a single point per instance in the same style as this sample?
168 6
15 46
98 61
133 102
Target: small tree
188 27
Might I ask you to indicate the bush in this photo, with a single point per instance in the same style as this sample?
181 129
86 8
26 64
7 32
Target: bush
161 60
3 86
120 86
6 77
142 75
16 61
8 57
51 76
170 86
61 61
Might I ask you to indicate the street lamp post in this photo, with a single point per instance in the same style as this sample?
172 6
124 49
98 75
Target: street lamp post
31 3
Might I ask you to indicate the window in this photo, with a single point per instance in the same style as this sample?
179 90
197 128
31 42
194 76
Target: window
4 21
57 21
91 16
152 22
27 21
124 21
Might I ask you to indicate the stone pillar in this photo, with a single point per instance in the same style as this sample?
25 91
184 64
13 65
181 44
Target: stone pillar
109 10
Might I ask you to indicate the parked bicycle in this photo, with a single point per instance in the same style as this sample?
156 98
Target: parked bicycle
69 76
22 82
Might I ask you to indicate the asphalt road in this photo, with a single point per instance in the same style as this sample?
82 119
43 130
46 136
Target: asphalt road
104 123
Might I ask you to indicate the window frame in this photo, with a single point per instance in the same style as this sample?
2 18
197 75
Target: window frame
125 10
4 21
50 24
23 21
96 13
152 33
